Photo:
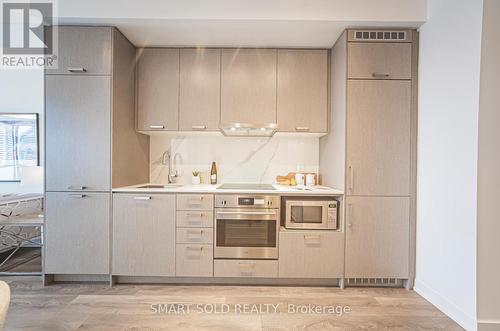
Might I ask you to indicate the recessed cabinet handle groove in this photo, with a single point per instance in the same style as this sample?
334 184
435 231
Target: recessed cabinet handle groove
199 127
77 70
380 74
77 195
301 128
142 198
77 187
195 248
157 127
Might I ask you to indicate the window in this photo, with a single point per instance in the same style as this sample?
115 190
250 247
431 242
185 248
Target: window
18 144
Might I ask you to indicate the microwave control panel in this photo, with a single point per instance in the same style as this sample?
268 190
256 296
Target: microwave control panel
332 211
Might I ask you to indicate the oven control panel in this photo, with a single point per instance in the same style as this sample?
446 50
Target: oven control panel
249 201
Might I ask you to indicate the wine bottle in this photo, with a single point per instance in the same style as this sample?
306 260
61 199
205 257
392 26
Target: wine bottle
213 174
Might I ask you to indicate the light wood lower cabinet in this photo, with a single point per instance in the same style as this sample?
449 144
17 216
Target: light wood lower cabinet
377 237
311 254
143 234
77 233
246 268
194 260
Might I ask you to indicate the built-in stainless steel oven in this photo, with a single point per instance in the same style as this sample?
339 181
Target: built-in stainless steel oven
310 213
246 226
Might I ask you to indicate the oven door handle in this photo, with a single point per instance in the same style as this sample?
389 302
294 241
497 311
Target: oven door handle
246 213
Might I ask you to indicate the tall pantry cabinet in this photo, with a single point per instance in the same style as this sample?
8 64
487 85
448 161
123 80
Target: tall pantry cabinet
91 146
373 141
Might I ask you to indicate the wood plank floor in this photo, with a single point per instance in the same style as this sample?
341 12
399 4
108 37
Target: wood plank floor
128 307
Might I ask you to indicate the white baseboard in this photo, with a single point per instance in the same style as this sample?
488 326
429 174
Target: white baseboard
449 308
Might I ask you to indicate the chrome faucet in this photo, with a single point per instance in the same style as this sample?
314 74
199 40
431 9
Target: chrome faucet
166 159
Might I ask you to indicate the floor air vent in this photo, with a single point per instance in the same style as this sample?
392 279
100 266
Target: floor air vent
380 35
388 282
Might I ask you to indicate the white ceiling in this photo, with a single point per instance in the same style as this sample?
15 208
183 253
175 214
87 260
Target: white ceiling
243 23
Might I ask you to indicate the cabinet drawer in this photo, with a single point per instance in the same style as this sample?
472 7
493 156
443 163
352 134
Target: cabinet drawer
379 60
194 260
246 268
195 235
195 219
83 50
195 202
311 254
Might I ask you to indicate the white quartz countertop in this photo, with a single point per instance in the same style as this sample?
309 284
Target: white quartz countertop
206 188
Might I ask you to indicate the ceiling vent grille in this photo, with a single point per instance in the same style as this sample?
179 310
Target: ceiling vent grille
380 35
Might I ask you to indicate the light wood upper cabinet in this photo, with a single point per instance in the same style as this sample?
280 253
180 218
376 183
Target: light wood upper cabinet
377 237
379 60
158 89
378 137
83 50
144 234
248 86
78 119
311 254
302 95
199 102
77 233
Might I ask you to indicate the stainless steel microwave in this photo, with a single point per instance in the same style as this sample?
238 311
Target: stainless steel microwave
316 213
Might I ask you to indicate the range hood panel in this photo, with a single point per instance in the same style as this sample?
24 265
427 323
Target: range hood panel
248 129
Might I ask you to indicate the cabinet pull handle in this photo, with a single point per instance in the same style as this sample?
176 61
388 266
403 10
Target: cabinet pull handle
195 201
77 70
142 198
195 214
380 74
194 248
348 216
157 127
200 232
77 187
199 127
301 128
77 196
351 178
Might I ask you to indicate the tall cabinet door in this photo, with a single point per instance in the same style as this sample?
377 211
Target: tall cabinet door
248 86
77 233
158 89
78 115
144 234
378 137
199 103
302 90
377 237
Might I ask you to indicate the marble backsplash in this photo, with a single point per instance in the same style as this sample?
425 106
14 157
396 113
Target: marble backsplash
239 160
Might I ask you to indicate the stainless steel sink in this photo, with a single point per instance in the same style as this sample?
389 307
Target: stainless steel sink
160 186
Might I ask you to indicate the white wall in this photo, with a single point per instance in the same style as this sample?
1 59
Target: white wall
247 160
449 71
488 227
21 91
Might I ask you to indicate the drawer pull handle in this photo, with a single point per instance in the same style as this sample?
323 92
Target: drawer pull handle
195 201
194 248
77 187
142 198
157 127
301 128
195 215
380 74
77 196
77 70
199 127
200 232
